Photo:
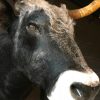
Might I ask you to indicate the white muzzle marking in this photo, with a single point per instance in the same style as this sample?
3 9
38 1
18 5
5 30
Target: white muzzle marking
61 90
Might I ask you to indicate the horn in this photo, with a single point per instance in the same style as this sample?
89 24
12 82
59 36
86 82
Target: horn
85 11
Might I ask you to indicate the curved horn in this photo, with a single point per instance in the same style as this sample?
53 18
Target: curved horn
85 11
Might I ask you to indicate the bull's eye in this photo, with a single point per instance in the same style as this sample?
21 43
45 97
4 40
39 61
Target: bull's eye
31 27
21 1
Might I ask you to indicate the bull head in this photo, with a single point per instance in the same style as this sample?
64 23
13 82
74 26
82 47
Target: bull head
45 52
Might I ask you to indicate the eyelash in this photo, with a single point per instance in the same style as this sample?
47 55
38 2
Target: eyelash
32 26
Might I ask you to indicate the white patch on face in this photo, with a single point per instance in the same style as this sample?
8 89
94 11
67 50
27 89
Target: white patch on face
17 33
61 90
23 11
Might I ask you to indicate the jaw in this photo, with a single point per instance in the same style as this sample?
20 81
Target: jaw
62 88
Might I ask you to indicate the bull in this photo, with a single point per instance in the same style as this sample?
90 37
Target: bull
37 48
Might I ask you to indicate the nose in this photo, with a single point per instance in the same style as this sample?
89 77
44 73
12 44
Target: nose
75 85
83 92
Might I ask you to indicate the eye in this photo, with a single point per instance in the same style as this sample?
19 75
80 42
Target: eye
22 1
32 27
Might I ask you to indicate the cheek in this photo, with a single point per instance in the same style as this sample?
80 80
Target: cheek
62 88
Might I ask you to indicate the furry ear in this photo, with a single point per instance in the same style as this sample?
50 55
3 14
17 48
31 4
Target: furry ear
7 13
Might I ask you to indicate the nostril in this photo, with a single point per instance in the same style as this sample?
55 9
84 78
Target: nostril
82 92
76 90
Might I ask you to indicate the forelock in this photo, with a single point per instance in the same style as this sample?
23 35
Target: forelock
59 17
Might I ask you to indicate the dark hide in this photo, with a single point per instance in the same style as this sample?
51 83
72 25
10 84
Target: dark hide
8 72
35 48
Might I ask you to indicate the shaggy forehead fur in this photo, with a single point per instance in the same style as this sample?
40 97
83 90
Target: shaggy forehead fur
57 15
61 26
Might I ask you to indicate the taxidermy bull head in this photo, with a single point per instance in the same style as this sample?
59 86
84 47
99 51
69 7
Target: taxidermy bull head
37 40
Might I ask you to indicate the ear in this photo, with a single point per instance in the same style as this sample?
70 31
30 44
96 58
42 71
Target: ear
7 13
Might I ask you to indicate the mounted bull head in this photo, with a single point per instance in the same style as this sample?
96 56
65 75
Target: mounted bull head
44 53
